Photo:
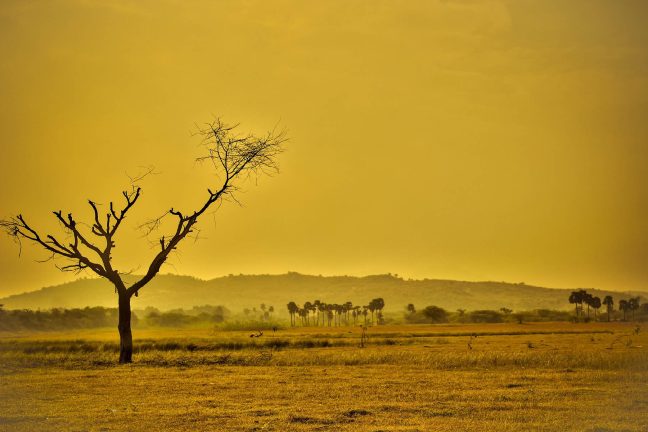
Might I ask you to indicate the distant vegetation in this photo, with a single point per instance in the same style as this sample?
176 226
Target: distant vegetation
584 303
438 315
198 316
58 319
95 317
313 314
332 314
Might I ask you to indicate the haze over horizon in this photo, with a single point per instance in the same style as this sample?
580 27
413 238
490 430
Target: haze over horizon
493 140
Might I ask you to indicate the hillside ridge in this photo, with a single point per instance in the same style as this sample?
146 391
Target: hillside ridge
236 292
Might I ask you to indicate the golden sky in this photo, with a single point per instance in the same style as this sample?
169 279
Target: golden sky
473 140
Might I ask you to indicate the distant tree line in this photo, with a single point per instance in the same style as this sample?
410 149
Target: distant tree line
199 315
584 302
587 308
58 319
319 313
96 317
437 315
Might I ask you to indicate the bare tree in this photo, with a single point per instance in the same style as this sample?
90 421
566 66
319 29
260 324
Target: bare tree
234 156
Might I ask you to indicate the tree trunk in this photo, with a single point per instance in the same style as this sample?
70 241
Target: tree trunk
124 327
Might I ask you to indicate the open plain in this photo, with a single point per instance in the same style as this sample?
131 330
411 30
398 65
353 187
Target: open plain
490 377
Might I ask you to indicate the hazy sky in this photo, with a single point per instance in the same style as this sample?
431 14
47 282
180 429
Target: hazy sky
485 140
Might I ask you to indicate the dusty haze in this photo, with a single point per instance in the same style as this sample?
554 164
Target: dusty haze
486 140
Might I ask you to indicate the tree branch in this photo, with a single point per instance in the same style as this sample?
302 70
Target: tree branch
234 157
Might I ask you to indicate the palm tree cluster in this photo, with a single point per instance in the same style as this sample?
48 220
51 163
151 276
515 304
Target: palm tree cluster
581 297
318 313
630 305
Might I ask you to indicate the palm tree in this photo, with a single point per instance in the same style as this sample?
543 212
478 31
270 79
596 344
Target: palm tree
339 310
321 309
372 308
583 295
316 306
588 298
596 304
348 306
376 304
308 306
380 305
633 305
575 299
609 302
329 314
292 310
624 306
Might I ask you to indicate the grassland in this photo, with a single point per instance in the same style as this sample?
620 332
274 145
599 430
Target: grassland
496 377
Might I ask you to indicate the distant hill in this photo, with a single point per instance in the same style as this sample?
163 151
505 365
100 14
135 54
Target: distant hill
237 292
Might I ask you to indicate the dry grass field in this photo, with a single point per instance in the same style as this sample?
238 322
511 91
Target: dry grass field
495 377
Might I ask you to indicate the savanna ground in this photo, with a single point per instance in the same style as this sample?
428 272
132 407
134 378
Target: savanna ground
511 377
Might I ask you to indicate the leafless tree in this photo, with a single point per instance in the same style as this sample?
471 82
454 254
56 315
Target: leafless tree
234 156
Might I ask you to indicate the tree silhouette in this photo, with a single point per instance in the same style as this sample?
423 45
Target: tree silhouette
317 305
321 311
376 304
624 306
587 299
435 314
596 304
348 306
608 301
339 309
633 305
573 299
411 309
235 157
292 311
308 306
380 305
578 298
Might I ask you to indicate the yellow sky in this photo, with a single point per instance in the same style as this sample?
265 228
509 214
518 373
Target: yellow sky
485 140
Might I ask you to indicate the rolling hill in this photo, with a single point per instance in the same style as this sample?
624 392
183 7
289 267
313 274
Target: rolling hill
245 291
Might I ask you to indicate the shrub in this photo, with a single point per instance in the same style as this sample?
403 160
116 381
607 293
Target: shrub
485 316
